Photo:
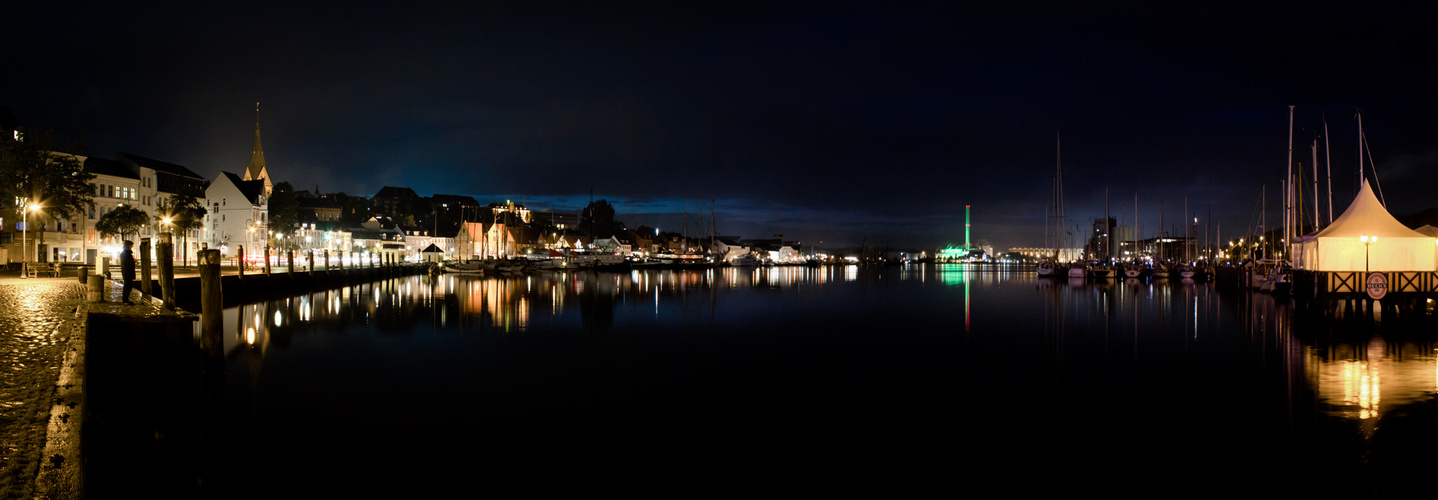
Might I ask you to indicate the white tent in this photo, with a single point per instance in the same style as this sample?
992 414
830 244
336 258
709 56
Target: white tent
1339 247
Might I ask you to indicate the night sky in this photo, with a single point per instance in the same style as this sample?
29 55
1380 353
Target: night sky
834 122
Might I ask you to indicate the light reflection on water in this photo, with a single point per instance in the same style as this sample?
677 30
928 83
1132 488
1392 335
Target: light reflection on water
1355 378
1116 361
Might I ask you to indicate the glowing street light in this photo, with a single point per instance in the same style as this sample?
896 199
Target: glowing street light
1367 240
25 234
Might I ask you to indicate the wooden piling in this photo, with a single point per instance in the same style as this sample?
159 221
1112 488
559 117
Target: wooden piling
145 267
310 259
167 269
290 261
267 261
212 321
95 286
241 267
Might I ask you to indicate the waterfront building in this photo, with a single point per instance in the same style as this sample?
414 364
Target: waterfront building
130 180
160 181
1040 253
237 214
115 186
479 240
613 244
374 237
726 248
417 239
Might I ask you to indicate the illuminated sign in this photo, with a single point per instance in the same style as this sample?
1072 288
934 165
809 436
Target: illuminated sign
1377 285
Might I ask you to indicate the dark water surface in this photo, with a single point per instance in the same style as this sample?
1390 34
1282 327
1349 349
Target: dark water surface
821 379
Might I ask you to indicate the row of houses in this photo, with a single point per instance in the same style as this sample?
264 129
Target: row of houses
237 215
235 209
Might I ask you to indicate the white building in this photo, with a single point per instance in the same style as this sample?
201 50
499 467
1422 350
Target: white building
237 214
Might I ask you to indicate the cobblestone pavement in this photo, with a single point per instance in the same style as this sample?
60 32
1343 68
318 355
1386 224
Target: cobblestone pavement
31 349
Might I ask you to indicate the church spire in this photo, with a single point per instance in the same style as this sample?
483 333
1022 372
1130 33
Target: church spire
257 170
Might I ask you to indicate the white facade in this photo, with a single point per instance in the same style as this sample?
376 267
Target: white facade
234 219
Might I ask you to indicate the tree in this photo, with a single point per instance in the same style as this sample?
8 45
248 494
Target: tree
122 221
284 212
185 214
598 220
35 171
354 210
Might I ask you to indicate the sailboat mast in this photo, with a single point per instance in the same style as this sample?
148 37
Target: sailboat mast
1287 194
1328 157
1059 190
1315 185
1360 149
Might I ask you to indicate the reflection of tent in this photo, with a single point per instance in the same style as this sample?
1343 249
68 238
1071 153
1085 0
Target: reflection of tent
1338 247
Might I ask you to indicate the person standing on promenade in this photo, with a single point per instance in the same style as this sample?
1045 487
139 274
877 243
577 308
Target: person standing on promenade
127 271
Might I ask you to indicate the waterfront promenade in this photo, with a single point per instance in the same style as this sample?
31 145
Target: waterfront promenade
35 330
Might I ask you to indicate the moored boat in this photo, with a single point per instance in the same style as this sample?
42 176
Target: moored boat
1101 271
1047 269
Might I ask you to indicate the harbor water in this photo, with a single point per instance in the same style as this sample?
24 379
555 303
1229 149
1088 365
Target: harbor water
832 377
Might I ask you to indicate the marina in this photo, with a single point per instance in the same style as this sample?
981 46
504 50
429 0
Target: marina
860 370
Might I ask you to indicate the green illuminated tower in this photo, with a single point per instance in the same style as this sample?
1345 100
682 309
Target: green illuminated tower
967 245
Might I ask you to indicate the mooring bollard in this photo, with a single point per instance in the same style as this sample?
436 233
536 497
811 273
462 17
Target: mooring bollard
167 269
145 267
95 285
212 321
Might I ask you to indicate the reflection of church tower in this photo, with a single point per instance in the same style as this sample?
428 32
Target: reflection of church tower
256 169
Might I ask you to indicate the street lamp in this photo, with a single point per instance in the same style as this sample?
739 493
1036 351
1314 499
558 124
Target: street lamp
1367 240
25 234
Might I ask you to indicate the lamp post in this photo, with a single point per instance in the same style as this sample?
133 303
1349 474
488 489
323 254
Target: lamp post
25 235
249 238
1367 240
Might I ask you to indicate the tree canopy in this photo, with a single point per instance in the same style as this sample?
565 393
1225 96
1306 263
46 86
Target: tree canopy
598 220
284 210
184 211
122 221
34 170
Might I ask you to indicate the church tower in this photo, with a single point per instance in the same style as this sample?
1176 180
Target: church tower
257 170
